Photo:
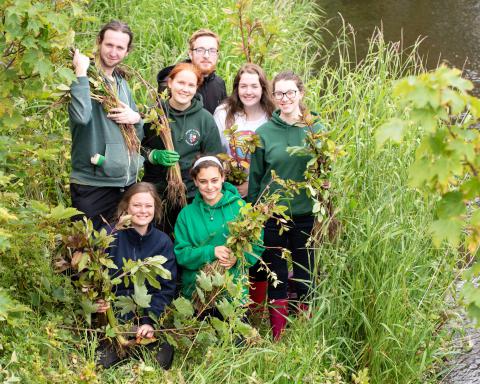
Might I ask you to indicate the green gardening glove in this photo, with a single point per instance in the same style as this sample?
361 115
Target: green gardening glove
163 157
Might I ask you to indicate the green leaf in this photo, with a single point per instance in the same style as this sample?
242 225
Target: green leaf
220 326
107 262
449 230
419 173
88 308
60 212
391 130
204 281
226 308
83 262
425 118
141 296
475 218
218 280
126 304
200 294
183 306
451 205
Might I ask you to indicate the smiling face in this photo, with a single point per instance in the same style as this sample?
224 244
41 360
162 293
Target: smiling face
113 49
288 106
206 62
142 208
182 89
249 89
209 182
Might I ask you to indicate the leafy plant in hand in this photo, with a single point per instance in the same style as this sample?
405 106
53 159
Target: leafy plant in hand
156 116
237 167
83 251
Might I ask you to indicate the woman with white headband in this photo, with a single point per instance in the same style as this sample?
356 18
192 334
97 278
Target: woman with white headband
201 229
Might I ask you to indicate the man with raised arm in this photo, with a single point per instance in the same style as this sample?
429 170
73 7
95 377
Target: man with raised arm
103 165
203 52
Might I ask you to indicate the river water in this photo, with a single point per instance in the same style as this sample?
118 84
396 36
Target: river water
450 28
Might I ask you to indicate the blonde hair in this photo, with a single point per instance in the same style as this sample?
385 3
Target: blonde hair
200 33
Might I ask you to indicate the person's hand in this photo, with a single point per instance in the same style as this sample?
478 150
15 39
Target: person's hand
243 188
80 63
163 157
225 256
145 331
124 115
102 306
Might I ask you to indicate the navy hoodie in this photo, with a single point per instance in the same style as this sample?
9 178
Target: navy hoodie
129 244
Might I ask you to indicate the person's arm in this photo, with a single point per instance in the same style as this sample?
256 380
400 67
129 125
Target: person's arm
219 116
80 106
188 255
256 174
162 297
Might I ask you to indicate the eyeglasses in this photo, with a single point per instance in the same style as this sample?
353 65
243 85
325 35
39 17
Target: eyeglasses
291 93
201 51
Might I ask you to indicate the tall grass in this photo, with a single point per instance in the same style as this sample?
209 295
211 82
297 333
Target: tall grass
381 285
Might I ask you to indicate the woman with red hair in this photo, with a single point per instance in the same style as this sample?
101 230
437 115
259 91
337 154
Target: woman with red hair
194 132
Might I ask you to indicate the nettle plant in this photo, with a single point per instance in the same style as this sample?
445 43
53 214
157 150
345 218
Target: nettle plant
437 107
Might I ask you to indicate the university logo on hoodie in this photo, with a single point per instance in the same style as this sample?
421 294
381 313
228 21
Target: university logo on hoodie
192 136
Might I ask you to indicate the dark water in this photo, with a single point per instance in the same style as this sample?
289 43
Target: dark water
450 28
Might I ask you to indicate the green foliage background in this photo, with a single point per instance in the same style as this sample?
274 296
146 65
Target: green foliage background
381 286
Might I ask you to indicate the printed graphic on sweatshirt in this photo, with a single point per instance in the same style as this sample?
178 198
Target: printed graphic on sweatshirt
192 136
237 153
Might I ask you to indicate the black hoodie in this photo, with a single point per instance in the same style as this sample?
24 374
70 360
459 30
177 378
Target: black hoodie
193 132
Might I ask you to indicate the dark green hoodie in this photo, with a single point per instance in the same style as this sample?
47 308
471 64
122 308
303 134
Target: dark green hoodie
193 132
200 228
276 135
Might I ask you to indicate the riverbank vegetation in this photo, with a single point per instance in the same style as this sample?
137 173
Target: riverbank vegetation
380 296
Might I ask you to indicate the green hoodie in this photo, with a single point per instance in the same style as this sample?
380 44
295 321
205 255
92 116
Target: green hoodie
93 133
200 228
193 132
276 135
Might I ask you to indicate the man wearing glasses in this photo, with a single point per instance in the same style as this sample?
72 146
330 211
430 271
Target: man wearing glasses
203 52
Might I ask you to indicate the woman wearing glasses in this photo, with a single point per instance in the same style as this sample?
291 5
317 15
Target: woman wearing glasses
285 129
193 132
248 107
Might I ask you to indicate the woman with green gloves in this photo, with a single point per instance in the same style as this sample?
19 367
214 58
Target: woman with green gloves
193 132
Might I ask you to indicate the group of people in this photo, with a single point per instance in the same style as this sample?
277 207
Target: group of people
105 172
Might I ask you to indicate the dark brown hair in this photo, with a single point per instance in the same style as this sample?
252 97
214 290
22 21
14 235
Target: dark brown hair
233 103
118 26
290 75
186 67
200 33
205 164
141 187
